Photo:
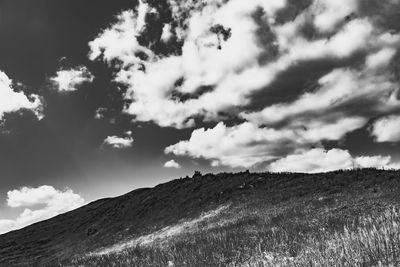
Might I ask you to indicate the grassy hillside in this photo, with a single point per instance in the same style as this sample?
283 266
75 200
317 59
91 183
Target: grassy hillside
343 218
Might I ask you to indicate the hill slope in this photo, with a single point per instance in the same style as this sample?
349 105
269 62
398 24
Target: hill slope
224 219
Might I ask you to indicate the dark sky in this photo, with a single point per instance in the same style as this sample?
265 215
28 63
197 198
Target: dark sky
63 149
280 86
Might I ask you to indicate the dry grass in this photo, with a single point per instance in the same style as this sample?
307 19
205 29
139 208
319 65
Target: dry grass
252 241
372 241
330 219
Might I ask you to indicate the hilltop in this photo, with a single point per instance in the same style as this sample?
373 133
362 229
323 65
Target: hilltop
226 219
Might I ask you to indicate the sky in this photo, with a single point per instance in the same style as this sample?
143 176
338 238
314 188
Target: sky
98 98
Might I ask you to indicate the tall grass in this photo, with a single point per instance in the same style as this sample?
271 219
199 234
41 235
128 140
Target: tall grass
254 241
371 241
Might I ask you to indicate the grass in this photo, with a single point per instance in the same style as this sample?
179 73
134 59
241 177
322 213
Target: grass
372 241
340 218
282 240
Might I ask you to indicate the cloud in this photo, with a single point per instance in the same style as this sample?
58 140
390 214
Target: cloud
55 202
172 164
152 79
12 101
120 40
243 145
331 13
387 129
320 160
317 130
119 142
166 33
200 76
336 89
247 144
99 113
69 80
381 58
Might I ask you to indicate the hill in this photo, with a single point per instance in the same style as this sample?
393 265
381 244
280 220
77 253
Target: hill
347 218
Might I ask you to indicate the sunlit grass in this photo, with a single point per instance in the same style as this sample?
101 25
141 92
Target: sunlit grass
285 240
371 241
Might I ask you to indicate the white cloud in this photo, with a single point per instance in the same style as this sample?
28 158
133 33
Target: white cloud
381 58
317 130
11 101
119 142
68 80
243 145
172 164
99 113
55 202
246 144
236 68
354 36
374 162
387 129
166 33
233 77
336 88
320 160
331 13
120 40
201 63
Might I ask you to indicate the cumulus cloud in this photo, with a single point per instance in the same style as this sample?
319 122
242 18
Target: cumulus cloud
152 81
320 160
54 201
172 164
68 80
246 144
120 40
119 142
243 145
206 77
12 101
387 129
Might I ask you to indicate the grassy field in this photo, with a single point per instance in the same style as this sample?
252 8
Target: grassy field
368 241
329 229
342 218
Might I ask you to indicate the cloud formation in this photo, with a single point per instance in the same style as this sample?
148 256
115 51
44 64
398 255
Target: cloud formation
119 142
152 79
172 164
387 129
183 73
320 160
54 202
67 80
246 145
12 101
